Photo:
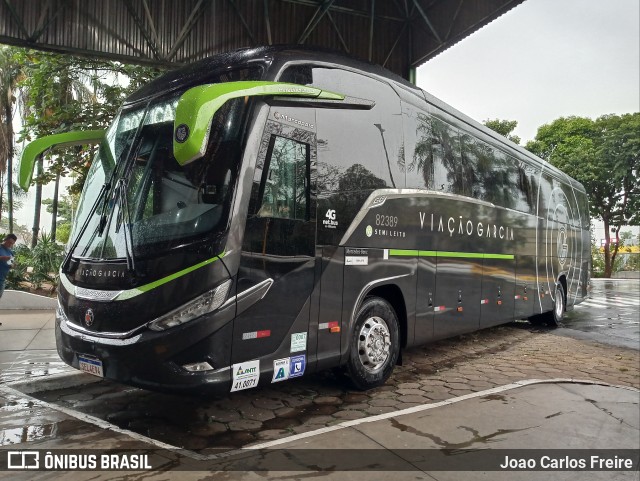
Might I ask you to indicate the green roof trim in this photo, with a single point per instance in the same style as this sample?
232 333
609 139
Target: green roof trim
38 146
198 105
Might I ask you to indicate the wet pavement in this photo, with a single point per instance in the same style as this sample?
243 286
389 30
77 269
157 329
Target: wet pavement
440 371
45 404
611 314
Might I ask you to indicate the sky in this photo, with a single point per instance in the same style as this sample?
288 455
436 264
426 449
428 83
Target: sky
541 60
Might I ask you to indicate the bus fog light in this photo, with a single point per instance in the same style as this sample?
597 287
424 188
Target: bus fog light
207 302
198 366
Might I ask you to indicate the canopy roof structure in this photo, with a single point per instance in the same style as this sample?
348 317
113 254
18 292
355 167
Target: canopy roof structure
397 34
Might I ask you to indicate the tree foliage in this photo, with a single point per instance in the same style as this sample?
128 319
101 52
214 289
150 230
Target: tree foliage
36 267
604 155
504 128
10 75
61 93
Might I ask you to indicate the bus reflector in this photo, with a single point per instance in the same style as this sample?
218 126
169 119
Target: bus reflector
439 308
256 334
329 325
335 329
484 301
459 309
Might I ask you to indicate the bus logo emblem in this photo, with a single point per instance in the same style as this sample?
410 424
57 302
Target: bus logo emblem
563 248
369 231
88 318
182 133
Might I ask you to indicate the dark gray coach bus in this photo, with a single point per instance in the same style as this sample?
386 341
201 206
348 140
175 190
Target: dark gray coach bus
271 212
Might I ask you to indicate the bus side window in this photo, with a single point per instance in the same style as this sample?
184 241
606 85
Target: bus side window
419 159
469 156
371 139
433 157
285 180
525 183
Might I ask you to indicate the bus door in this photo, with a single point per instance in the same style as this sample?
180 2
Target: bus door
278 254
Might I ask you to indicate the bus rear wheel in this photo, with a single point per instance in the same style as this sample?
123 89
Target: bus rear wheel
559 306
375 344
554 318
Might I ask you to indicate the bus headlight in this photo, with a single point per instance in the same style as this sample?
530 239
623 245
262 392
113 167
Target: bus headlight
207 302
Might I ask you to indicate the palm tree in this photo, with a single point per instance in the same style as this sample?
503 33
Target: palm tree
10 75
51 97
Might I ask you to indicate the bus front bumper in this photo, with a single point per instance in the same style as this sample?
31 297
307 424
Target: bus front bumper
156 360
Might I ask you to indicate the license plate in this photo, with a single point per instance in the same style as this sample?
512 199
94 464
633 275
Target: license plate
90 365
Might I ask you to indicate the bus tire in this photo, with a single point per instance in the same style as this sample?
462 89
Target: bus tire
553 318
559 306
375 344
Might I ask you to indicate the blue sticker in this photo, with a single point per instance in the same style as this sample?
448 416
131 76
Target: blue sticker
297 365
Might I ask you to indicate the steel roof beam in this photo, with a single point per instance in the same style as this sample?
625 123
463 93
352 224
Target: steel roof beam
395 44
427 21
243 21
152 45
317 16
371 25
345 10
186 29
115 35
335 27
46 17
16 18
453 20
267 21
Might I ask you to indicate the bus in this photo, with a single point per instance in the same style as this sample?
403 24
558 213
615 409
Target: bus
271 212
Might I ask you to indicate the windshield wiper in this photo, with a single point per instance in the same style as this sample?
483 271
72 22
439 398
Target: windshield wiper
103 191
124 217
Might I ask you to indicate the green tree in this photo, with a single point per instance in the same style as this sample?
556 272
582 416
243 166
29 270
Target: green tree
504 128
10 74
603 154
62 93
61 217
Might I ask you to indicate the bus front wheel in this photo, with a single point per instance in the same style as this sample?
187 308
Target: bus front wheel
375 344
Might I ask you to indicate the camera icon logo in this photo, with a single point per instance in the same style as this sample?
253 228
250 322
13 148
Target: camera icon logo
23 460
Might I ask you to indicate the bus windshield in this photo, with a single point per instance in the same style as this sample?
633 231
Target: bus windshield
147 203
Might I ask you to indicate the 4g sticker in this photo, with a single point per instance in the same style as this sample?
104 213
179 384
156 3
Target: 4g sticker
330 221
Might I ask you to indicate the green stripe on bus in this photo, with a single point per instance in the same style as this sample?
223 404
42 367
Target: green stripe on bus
401 252
459 255
128 294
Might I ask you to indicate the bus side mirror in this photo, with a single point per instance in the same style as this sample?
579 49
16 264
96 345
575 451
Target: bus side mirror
38 146
197 106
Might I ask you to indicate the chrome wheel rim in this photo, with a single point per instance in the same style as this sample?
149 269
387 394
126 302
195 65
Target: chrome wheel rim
559 304
374 344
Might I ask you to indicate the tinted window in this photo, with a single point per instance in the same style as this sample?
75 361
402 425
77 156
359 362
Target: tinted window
433 159
285 192
526 189
367 141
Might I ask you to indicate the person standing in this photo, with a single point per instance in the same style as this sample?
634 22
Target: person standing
6 258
